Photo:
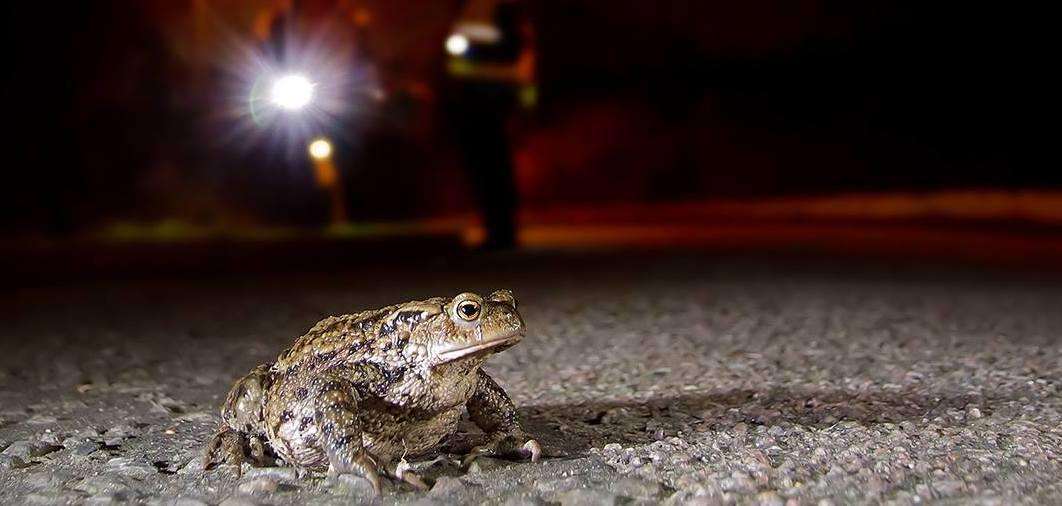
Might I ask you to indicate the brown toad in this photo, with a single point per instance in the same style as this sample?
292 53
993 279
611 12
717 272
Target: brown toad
358 393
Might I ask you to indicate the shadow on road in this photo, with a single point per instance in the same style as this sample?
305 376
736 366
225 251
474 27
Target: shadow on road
569 430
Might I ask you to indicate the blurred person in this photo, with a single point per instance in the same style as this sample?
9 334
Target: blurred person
273 26
491 58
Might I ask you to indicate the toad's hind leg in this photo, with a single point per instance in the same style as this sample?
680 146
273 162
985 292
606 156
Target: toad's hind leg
336 416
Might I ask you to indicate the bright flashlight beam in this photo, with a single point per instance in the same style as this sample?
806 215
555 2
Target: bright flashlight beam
320 149
457 44
292 92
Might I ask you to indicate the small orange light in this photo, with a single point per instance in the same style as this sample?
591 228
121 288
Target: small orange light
320 149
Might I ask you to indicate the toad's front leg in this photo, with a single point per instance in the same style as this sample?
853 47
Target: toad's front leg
493 411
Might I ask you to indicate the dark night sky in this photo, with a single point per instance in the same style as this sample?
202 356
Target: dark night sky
776 97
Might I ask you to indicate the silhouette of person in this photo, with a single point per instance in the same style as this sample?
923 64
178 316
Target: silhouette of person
491 56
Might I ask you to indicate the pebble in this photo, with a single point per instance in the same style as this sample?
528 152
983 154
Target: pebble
769 498
525 500
634 488
129 466
42 419
115 435
948 487
12 462
51 498
485 464
447 485
52 438
274 473
87 448
48 480
188 501
258 486
356 485
106 484
30 449
237 501
193 466
585 497
105 499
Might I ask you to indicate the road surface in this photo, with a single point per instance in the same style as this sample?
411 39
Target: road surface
674 378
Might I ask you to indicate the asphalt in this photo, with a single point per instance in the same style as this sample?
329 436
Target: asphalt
649 378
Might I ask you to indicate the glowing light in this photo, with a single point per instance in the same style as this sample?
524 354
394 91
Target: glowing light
457 44
320 149
292 92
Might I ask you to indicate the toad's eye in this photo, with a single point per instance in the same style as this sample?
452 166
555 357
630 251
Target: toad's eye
468 310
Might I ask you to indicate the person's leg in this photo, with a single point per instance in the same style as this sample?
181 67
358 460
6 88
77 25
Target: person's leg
488 159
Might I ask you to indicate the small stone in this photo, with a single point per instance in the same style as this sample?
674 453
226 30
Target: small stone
237 501
973 412
193 466
105 484
48 480
128 466
42 419
635 488
274 473
189 501
119 432
52 438
769 498
197 416
585 497
258 486
104 499
30 449
12 462
87 448
485 464
446 485
64 497
356 485
948 487
519 500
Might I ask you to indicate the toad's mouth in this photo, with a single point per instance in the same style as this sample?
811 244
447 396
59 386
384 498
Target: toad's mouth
451 352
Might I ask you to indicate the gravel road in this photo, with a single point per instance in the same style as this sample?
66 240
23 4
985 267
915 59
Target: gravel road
655 378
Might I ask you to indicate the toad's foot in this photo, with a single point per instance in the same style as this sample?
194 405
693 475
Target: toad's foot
506 445
409 473
231 444
361 463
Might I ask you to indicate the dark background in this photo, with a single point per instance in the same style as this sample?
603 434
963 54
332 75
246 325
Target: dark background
112 118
